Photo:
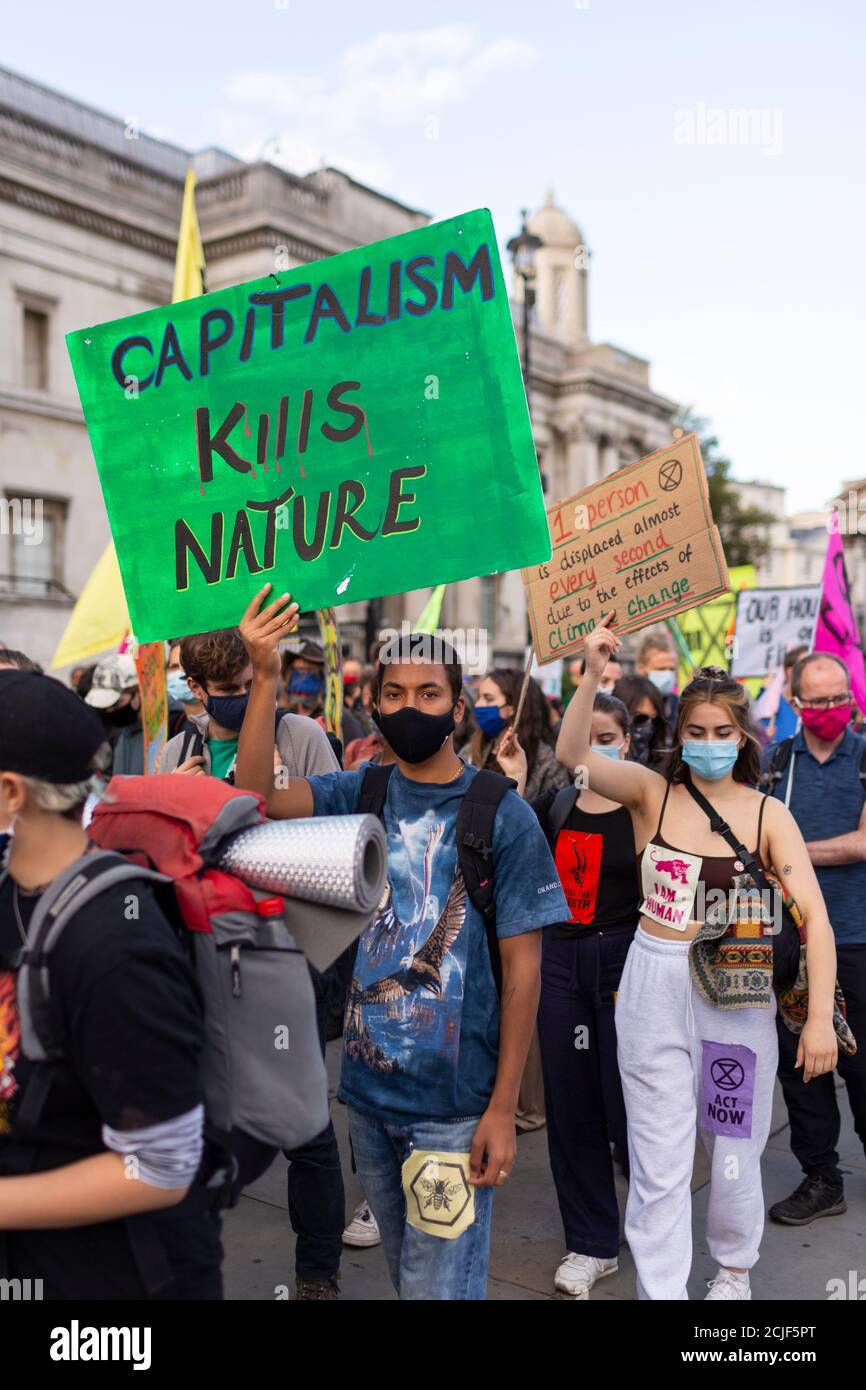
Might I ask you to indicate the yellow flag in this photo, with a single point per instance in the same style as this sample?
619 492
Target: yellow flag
428 620
189 271
100 621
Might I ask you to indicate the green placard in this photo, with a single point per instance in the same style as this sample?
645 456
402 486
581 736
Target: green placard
347 429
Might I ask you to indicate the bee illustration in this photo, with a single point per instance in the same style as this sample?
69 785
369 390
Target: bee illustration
440 1193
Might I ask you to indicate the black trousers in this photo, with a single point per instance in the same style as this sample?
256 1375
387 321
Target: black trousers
317 1200
813 1110
582 1090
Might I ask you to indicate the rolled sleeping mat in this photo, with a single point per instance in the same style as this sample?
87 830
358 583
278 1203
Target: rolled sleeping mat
339 861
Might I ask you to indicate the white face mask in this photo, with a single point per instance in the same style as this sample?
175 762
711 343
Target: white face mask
608 750
663 681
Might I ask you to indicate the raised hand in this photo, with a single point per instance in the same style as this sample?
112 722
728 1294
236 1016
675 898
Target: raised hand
601 644
262 629
512 758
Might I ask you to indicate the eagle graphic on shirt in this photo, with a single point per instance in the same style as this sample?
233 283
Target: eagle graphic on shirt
407 983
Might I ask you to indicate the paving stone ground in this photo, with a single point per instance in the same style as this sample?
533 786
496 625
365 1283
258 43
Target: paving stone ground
796 1262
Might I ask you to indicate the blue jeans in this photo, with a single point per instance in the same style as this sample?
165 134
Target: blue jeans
423 1267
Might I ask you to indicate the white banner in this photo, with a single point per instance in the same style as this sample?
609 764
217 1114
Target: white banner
769 623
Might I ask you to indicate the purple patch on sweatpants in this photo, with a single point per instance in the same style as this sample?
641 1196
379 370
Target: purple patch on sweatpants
727 1089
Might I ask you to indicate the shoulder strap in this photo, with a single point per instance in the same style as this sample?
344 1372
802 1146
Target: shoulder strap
374 789
561 808
84 880
662 811
474 832
778 763
192 745
720 827
863 770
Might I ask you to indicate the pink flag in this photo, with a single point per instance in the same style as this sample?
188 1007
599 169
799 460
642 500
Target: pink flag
837 630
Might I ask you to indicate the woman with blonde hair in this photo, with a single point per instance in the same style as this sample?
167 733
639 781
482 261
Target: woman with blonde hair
695 1010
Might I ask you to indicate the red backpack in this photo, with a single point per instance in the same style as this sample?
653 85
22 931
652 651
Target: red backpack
263 1070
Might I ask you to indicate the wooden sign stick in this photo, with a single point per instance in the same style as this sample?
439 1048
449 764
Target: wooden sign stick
523 689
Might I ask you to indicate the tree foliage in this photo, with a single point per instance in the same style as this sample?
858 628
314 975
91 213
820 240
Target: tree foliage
745 530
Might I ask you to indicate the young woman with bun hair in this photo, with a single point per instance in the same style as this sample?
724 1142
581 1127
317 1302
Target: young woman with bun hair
582 959
696 1043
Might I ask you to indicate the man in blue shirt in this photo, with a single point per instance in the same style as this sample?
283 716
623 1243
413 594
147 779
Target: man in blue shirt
432 1058
821 785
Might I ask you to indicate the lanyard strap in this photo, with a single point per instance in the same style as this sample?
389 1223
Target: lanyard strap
722 828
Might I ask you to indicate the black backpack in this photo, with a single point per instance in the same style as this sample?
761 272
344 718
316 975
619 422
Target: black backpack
475 822
780 761
193 744
561 808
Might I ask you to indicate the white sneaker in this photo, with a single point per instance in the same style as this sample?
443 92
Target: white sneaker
362 1229
729 1285
577 1273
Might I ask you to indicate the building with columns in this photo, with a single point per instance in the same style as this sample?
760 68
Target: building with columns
89 216
89 212
593 411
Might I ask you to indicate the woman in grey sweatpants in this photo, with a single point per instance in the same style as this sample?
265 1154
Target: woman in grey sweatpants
661 1021
697 1044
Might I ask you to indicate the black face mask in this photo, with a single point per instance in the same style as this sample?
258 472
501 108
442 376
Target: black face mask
121 718
641 740
414 735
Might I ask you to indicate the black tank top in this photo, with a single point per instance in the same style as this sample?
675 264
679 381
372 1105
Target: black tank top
598 868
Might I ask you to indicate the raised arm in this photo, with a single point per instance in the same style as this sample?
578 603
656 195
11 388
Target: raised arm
789 856
287 798
629 783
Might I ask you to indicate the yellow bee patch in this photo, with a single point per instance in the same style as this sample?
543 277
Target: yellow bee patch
439 1199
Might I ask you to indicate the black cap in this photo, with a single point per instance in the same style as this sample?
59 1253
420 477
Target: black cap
46 731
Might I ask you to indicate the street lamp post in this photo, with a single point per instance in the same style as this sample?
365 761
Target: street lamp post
522 249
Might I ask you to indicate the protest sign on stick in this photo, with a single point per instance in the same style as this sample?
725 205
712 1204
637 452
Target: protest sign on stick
150 665
338 429
641 541
769 623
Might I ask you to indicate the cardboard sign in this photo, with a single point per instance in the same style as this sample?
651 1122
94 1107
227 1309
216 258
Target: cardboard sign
341 429
708 630
769 623
641 541
150 665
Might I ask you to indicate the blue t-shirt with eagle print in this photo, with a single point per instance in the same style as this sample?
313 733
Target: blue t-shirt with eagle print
421 1032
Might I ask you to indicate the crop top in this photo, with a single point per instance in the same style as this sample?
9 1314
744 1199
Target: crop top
673 880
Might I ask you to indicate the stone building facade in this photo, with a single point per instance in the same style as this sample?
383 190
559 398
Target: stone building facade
89 212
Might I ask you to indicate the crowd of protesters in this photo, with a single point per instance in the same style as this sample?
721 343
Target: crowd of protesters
585 985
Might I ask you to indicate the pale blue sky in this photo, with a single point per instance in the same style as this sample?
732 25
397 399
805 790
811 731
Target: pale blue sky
735 267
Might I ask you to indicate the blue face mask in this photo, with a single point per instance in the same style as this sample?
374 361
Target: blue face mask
607 750
227 710
178 688
663 681
304 683
711 760
489 719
